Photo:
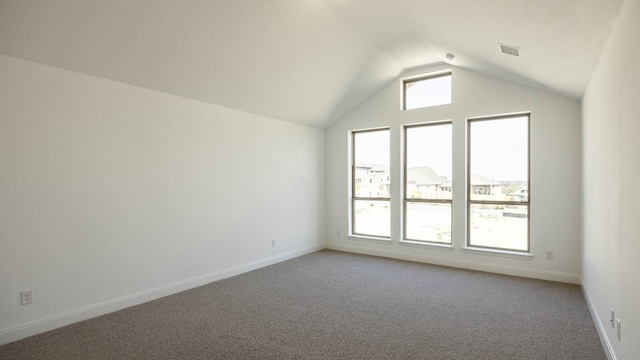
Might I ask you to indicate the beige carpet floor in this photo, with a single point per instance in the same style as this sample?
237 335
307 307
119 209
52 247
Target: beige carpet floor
334 305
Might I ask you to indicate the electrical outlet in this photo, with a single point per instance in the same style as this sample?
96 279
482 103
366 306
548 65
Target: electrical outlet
338 233
549 255
612 319
618 328
26 297
273 242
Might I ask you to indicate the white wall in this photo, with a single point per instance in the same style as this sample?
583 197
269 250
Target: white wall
555 174
112 194
611 196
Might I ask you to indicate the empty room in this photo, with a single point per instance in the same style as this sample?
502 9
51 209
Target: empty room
319 179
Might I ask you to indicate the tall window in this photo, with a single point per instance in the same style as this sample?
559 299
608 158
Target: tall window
498 183
371 213
427 185
428 90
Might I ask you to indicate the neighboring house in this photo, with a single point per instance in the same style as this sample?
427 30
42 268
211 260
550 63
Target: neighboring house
422 180
521 194
372 181
480 185
362 171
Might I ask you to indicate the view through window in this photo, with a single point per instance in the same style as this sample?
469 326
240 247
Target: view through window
429 90
498 183
428 186
371 180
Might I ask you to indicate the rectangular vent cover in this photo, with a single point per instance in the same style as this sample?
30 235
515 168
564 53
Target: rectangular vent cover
510 50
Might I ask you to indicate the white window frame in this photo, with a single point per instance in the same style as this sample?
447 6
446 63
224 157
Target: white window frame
354 198
407 200
471 202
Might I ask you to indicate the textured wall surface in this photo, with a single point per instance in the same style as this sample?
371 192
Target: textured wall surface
611 169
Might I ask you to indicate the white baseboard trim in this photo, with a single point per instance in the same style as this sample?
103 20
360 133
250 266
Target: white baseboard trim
604 339
464 264
56 321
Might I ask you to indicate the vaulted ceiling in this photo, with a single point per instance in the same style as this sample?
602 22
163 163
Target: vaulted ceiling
306 61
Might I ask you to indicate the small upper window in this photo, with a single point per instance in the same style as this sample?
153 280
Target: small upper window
425 91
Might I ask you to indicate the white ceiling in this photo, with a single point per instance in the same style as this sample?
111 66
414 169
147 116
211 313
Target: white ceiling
306 61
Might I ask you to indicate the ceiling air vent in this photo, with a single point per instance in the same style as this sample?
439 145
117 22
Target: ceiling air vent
510 50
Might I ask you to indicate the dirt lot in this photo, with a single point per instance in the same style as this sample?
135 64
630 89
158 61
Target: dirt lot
490 226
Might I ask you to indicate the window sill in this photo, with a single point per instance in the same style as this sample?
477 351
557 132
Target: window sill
365 237
501 253
432 245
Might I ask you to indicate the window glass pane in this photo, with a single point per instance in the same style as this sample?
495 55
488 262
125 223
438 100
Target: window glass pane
429 158
372 218
499 160
499 226
428 222
427 92
371 156
371 179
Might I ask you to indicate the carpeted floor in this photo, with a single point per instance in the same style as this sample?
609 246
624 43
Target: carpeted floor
334 305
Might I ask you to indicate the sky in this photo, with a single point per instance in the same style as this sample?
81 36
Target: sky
430 146
372 147
498 148
429 92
